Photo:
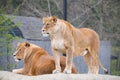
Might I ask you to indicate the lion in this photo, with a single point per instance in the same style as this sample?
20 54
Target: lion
36 60
65 38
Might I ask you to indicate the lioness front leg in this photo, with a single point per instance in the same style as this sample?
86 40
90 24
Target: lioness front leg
56 55
69 59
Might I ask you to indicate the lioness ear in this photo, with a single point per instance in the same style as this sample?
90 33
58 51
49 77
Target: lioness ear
44 18
18 43
54 18
27 44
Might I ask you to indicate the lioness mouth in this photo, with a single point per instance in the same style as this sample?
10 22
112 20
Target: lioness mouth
45 34
19 59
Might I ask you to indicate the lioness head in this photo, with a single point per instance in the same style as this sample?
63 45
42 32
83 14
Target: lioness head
49 25
20 51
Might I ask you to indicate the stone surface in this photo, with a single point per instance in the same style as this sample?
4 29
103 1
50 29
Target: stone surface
5 75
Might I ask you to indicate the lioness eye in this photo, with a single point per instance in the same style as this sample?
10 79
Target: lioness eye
47 24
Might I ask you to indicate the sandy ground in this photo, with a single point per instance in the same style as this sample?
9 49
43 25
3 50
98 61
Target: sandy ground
5 75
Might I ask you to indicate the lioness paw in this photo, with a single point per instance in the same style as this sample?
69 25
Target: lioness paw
14 70
67 71
56 71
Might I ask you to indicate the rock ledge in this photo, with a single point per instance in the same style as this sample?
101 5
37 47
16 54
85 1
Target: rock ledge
5 75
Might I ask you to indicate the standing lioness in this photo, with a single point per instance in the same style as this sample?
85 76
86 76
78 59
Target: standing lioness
74 42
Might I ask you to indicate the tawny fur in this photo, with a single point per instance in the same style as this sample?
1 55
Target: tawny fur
65 38
36 60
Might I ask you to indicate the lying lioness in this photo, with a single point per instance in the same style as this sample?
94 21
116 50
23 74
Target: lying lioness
65 38
36 60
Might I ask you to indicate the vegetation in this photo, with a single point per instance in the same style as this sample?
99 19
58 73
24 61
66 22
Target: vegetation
6 24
